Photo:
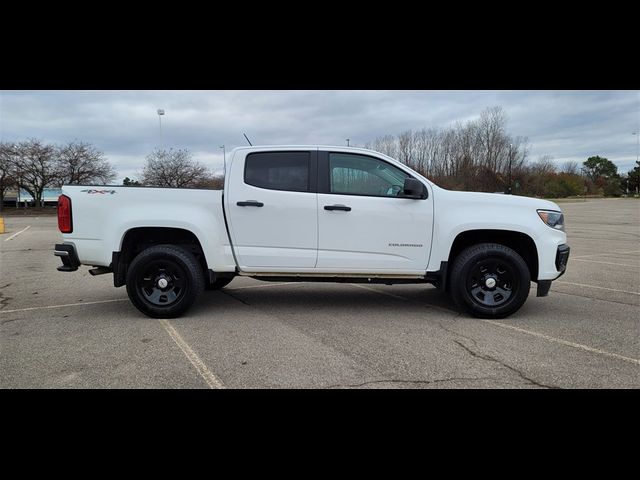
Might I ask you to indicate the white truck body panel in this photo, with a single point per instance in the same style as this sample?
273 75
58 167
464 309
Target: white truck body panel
458 212
381 234
100 220
281 234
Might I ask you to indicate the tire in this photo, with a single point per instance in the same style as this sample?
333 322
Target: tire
163 281
489 280
218 284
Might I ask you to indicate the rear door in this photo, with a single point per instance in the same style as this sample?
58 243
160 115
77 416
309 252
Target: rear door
271 202
365 226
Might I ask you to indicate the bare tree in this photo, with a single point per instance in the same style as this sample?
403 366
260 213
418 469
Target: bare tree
35 167
7 177
544 165
474 155
539 173
81 163
386 144
491 131
174 168
406 147
572 167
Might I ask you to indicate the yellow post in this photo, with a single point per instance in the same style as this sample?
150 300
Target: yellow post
1 224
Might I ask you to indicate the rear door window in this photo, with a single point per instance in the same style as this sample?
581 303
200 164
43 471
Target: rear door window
278 170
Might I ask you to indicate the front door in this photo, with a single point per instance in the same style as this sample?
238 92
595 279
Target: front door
271 201
365 226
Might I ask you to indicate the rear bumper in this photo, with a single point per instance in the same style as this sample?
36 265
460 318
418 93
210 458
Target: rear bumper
68 255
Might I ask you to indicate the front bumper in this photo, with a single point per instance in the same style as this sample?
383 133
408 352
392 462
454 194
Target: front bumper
562 258
68 255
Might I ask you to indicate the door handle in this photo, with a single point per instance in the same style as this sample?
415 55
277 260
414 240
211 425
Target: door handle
337 207
250 203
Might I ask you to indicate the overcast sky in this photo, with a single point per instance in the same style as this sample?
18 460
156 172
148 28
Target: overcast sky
568 125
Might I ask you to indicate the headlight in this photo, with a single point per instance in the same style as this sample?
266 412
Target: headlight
553 219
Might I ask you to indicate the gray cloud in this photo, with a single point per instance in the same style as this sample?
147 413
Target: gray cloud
123 124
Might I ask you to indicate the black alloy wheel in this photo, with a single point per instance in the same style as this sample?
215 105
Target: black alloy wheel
163 281
489 280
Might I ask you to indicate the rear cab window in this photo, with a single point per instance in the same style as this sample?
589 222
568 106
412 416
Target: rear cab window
288 171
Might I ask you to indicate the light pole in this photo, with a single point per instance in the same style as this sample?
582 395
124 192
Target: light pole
160 113
14 150
510 159
347 142
637 134
224 158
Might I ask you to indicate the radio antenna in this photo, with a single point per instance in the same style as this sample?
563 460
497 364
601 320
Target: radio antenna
245 136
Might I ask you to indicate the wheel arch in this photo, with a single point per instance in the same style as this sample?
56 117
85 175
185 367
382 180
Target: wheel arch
520 242
137 239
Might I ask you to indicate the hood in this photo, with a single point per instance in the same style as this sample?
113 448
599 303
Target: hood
498 199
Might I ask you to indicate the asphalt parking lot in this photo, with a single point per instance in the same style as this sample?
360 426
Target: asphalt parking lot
72 330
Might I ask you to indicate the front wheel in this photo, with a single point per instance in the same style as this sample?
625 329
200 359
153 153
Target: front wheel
490 280
163 281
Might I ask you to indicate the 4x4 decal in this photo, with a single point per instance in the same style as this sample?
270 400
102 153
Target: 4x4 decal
102 192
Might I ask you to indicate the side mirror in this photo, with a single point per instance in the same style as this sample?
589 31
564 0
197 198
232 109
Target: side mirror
413 188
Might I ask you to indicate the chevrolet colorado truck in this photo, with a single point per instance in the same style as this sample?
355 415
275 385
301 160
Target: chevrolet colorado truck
313 213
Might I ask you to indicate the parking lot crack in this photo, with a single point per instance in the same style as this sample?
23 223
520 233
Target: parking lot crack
457 334
4 301
416 382
489 358
594 298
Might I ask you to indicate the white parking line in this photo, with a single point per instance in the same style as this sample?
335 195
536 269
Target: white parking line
528 332
118 300
205 373
599 288
604 254
402 298
17 233
274 284
604 263
60 306
565 342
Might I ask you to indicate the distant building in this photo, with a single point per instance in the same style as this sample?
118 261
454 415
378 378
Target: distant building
50 196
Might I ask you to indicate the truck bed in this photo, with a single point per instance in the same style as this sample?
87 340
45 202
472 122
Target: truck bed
102 215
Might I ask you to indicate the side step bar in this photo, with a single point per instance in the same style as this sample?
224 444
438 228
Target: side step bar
100 270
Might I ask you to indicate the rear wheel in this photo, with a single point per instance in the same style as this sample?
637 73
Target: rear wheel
163 281
490 280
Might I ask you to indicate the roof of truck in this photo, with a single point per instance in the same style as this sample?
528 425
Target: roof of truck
332 147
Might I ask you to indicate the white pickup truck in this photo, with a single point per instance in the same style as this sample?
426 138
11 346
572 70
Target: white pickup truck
313 213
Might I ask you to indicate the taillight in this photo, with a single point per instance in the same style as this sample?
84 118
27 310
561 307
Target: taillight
65 225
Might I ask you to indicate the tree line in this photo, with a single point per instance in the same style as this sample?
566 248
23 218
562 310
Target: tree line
477 155
33 166
480 155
